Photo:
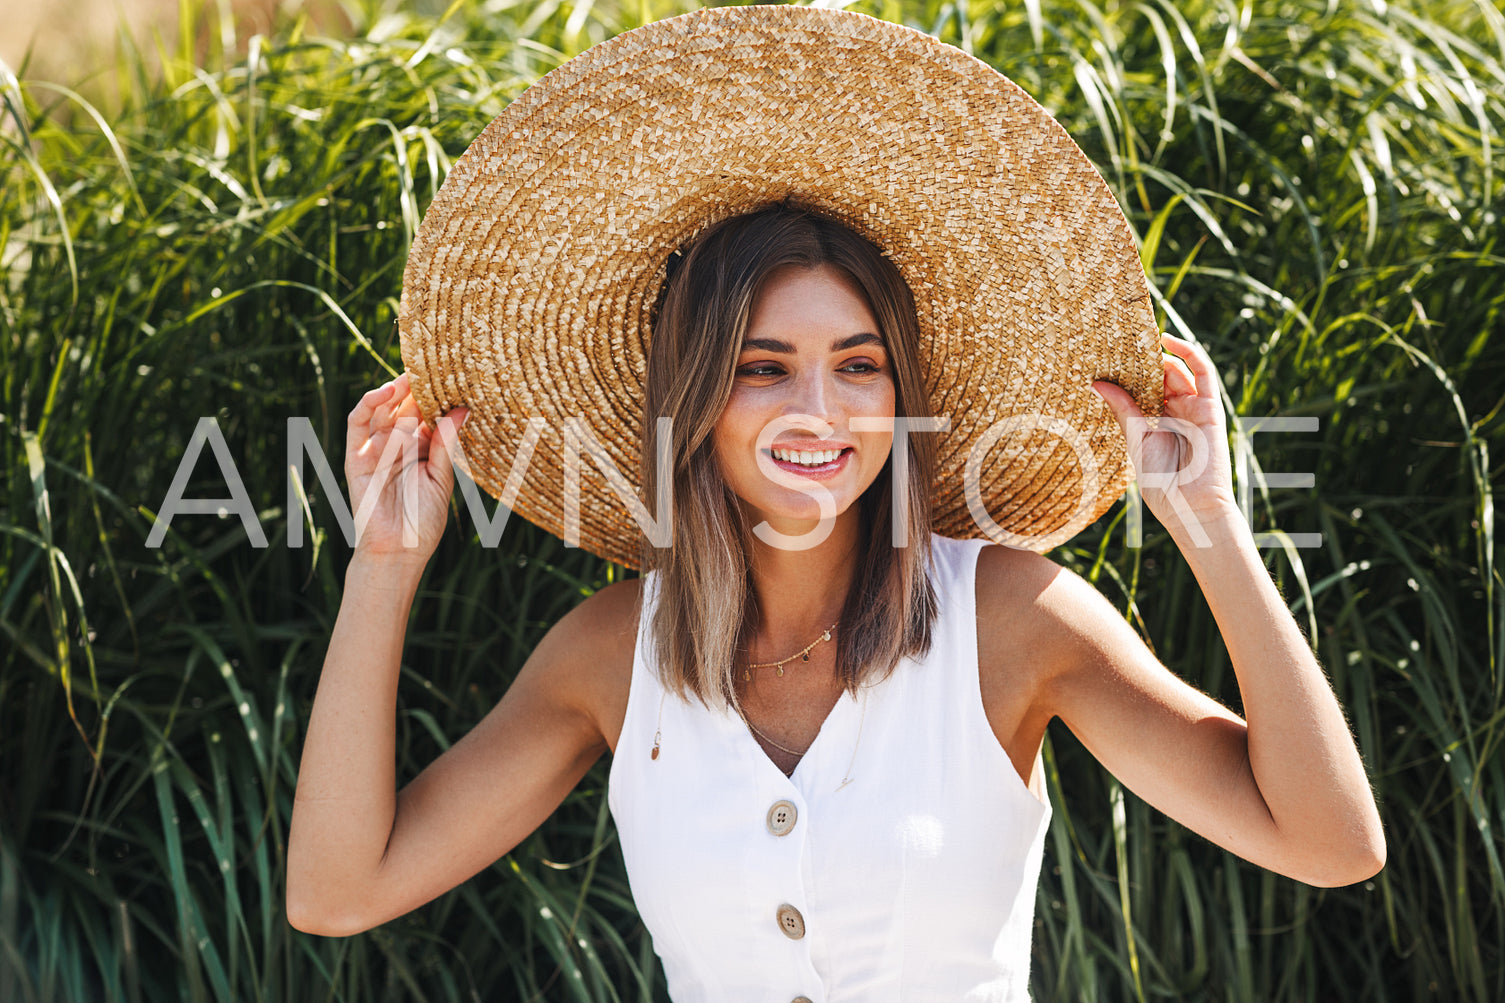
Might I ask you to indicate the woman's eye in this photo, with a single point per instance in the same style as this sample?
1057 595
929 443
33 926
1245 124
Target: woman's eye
769 370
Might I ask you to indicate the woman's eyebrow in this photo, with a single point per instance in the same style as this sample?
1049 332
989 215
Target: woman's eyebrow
785 348
853 340
767 345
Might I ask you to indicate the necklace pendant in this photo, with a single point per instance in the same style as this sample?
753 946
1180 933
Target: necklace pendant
805 657
781 670
654 753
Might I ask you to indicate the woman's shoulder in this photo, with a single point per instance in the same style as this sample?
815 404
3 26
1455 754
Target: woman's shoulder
1011 585
589 653
1003 575
1008 573
995 564
609 616
1026 602
1014 648
602 631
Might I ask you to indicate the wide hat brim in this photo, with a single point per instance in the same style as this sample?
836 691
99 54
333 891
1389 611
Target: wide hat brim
530 290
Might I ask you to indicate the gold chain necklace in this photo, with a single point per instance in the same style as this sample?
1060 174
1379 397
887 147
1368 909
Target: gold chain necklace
759 732
795 752
803 655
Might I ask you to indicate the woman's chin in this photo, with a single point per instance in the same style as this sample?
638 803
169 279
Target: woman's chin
797 527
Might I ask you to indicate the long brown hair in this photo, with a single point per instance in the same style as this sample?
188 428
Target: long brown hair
705 605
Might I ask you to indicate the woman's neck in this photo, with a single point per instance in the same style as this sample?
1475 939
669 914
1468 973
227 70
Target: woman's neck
801 592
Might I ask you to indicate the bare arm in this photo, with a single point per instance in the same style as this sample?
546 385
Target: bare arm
1286 788
1298 752
346 798
359 853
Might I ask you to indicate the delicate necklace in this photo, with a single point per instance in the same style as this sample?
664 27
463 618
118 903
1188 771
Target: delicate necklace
803 655
759 732
846 779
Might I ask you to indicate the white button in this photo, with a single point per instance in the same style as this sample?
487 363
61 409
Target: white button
781 818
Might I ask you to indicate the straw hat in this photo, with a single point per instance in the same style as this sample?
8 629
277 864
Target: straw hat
531 287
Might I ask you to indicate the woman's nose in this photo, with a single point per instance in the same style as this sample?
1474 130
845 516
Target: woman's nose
813 394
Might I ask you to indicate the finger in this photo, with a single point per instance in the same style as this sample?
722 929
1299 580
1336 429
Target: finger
1179 381
388 410
1131 419
411 434
359 426
445 444
1119 401
400 386
407 407
449 426
1197 360
367 405
396 449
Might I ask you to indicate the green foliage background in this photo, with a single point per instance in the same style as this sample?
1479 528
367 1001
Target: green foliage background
1317 187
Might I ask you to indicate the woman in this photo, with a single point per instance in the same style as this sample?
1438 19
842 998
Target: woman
825 721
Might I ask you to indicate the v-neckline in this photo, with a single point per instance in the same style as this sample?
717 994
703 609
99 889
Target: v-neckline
741 724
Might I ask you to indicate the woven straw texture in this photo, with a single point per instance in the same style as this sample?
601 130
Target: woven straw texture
530 289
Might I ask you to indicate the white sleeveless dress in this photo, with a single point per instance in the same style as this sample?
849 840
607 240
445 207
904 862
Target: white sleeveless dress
914 881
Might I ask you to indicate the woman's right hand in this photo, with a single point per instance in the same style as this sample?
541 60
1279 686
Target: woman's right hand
399 473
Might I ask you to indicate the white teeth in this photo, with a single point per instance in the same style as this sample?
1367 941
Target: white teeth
806 458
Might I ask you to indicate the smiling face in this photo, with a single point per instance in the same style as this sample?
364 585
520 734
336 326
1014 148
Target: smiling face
811 355
766 316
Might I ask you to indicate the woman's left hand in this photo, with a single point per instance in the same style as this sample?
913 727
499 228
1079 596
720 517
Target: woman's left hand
1182 464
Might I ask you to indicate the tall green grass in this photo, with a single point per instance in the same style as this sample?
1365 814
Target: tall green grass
1318 191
